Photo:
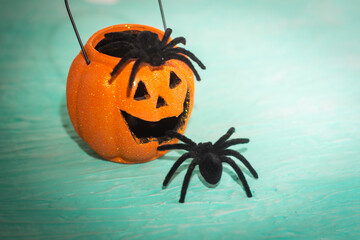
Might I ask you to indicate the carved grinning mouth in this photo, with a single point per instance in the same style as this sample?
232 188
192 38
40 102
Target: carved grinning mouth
146 131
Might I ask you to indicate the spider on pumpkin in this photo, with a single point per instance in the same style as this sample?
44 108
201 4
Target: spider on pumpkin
145 46
209 157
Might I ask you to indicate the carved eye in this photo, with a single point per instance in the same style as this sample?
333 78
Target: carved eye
160 102
141 92
174 80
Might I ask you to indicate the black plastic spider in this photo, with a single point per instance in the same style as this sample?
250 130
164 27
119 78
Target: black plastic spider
209 157
146 47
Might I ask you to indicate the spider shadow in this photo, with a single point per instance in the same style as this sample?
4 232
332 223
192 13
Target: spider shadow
68 127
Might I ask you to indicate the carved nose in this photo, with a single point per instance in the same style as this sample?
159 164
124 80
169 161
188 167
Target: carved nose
160 102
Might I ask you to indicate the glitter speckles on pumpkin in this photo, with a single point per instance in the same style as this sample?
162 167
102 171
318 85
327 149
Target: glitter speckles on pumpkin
97 107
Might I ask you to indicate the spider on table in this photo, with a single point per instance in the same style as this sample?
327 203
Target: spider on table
209 157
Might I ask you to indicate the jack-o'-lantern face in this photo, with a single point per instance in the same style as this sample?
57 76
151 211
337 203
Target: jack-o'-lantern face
159 102
124 116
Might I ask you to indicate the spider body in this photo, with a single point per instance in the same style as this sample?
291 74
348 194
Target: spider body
145 47
210 167
210 158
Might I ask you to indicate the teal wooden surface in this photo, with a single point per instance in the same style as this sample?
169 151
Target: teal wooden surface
284 73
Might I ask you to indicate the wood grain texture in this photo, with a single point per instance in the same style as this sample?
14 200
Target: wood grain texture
284 73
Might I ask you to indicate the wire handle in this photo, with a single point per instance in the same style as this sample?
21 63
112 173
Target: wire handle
78 36
76 32
162 15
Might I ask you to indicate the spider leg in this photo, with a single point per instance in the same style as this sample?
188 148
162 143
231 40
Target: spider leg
239 173
174 146
177 135
166 37
187 53
175 167
123 60
239 156
232 142
133 73
184 60
224 137
120 64
187 180
175 42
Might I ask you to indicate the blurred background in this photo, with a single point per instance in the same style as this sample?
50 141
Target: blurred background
284 73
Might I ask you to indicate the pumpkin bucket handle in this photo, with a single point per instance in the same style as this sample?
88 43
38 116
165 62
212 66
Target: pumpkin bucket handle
78 36
162 15
76 32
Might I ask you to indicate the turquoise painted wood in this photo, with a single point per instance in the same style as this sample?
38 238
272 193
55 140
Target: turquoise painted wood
286 74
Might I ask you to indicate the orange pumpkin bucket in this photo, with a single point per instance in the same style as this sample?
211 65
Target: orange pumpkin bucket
128 88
